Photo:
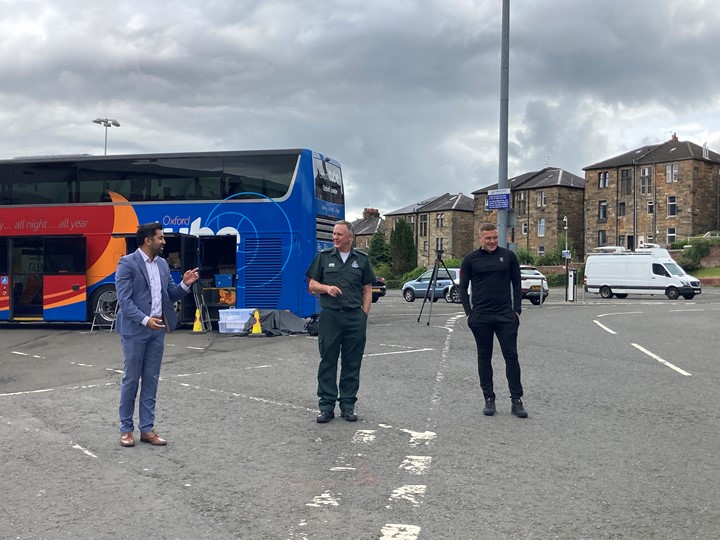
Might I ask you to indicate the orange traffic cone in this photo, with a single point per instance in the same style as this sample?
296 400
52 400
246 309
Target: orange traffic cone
256 328
197 325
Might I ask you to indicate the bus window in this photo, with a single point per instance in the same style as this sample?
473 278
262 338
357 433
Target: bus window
269 175
42 183
64 256
128 178
185 179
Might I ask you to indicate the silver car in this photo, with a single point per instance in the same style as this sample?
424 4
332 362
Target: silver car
418 288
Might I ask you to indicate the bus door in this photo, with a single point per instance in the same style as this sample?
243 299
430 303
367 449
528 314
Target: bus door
26 278
64 282
5 287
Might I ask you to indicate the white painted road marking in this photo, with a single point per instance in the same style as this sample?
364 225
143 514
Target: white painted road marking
417 437
364 436
397 352
325 499
661 360
396 531
416 465
604 327
412 493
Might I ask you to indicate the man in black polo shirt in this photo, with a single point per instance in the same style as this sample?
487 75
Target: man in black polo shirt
495 310
342 277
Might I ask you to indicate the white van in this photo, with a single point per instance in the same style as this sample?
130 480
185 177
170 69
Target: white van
652 271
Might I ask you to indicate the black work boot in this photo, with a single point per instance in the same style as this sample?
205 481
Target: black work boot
489 408
518 409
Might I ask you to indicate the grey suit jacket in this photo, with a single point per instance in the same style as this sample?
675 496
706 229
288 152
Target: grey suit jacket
132 285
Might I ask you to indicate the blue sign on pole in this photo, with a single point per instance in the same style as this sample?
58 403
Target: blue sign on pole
498 199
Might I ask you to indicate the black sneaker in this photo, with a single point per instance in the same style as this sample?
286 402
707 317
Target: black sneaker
489 408
518 409
350 415
324 417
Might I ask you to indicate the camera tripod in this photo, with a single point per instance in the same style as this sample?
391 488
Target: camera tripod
432 285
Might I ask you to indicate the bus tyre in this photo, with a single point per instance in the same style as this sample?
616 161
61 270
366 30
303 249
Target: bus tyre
672 293
102 305
605 292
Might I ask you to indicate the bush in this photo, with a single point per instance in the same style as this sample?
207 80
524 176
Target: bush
691 257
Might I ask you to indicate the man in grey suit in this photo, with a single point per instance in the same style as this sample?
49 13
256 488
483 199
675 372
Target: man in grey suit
146 292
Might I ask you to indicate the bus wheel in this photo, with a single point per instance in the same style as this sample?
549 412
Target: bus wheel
605 292
672 293
102 304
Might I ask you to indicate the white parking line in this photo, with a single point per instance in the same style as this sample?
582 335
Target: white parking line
604 327
662 361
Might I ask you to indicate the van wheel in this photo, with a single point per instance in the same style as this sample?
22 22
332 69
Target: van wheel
688 296
409 295
621 295
605 292
672 293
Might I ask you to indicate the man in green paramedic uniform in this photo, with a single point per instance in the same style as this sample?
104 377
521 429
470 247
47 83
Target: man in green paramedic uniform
342 277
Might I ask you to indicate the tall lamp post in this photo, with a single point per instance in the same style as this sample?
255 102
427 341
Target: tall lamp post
107 122
566 254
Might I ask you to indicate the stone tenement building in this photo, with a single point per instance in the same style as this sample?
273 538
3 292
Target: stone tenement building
654 194
370 223
540 200
444 222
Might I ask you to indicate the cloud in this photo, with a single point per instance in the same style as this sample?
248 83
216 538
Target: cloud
405 94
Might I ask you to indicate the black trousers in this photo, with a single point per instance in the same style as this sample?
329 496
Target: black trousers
505 326
340 333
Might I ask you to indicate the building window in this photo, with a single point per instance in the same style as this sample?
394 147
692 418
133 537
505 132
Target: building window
440 219
541 227
425 246
672 205
438 243
651 207
541 199
621 209
602 238
621 240
603 180
602 211
525 228
422 225
625 182
521 204
645 182
541 250
485 205
671 172
670 235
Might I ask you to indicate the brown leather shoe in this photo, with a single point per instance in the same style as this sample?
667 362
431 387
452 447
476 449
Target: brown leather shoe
152 438
127 439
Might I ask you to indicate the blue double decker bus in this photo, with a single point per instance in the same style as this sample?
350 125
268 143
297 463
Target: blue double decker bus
252 221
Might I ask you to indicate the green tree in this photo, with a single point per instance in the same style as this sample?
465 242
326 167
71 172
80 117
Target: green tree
379 251
402 248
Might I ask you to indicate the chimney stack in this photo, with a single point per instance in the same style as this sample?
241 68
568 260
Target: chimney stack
674 136
371 213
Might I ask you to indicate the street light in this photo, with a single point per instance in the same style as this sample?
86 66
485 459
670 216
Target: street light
107 122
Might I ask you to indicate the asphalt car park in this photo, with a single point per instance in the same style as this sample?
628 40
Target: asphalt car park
614 428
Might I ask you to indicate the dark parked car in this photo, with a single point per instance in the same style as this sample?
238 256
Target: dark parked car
378 289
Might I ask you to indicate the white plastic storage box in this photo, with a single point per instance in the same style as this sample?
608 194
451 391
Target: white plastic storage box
232 321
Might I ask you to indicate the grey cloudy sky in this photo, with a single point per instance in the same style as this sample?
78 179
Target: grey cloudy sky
405 94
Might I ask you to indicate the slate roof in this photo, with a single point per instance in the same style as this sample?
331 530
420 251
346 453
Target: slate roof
443 203
547 177
368 226
672 150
